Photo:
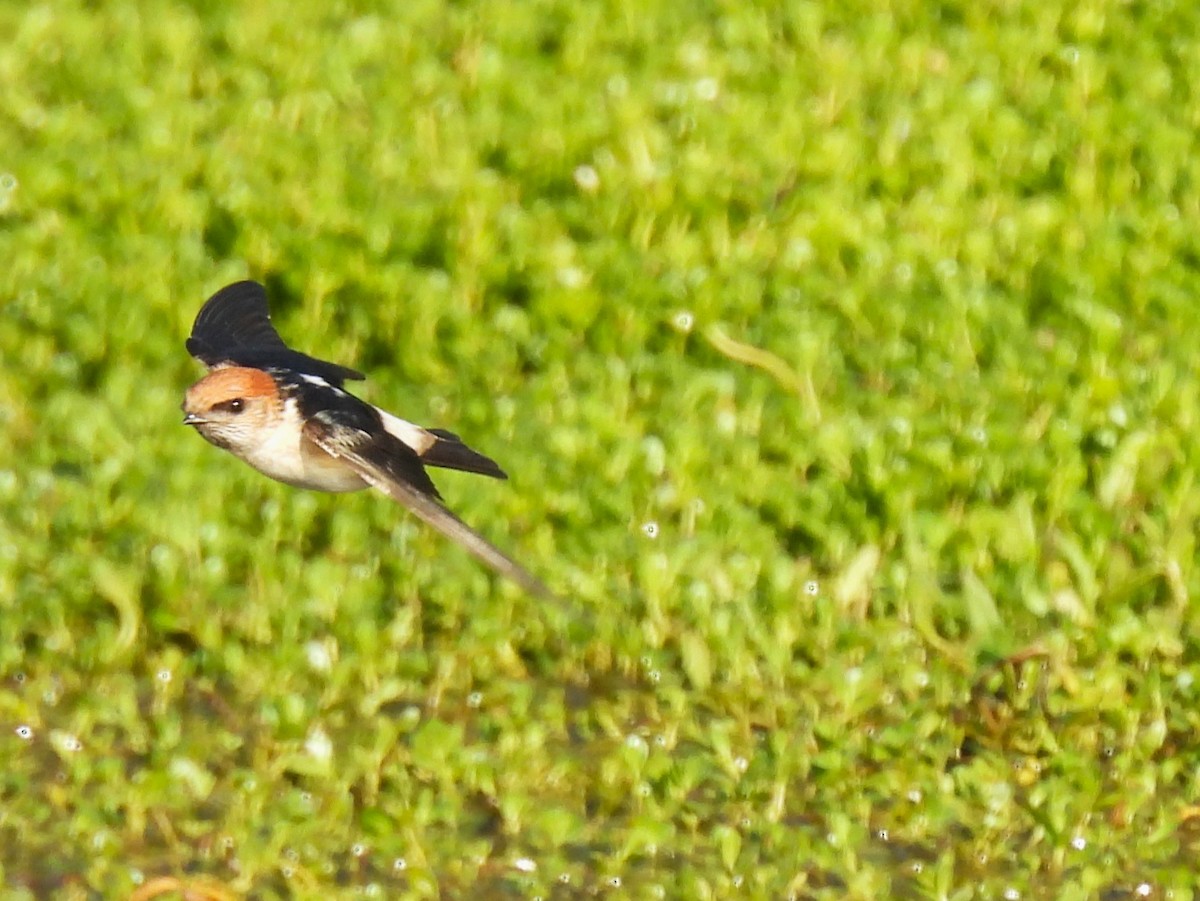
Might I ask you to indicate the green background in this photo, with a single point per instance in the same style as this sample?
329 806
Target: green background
843 360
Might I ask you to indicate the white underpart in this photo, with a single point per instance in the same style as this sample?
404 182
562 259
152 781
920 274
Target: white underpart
414 436
282 452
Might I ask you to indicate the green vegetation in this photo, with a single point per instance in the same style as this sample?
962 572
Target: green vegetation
843 359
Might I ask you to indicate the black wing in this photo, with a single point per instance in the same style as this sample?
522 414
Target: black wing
343 417
389 464
234 326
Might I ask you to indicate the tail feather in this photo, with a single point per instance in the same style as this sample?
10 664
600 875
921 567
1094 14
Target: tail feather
449 452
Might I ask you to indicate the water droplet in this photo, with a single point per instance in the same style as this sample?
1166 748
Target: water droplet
24 732
741 764
318 656
571 277
474 699
654 676
564 878
650 529
8 182
71 743
587 178
1011 894
286 871
914 795
19 678
136 876
399 864
164 675
707 89
917 867
162 556
798 252
614 881
1078 842
318 744
525 865
882 835
683 321
358 849
1144 890
811 588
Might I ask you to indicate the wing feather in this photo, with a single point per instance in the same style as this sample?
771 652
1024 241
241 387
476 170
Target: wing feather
234 326
382 461
237 316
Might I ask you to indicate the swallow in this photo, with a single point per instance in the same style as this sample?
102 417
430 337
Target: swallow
290 417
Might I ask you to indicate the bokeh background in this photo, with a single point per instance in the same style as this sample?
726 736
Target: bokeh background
843 359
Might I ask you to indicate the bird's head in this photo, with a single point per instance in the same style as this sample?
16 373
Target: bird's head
232 406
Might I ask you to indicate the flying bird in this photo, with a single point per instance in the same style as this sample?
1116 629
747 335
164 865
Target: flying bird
288 415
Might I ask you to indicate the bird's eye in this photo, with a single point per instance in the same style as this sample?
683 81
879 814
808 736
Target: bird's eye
233 406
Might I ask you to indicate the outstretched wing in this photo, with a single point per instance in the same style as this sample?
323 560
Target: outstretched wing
234 327
390 465
235 318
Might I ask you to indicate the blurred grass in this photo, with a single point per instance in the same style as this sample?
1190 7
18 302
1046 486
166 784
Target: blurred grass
842 359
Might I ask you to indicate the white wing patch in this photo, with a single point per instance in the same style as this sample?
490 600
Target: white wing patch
413 435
